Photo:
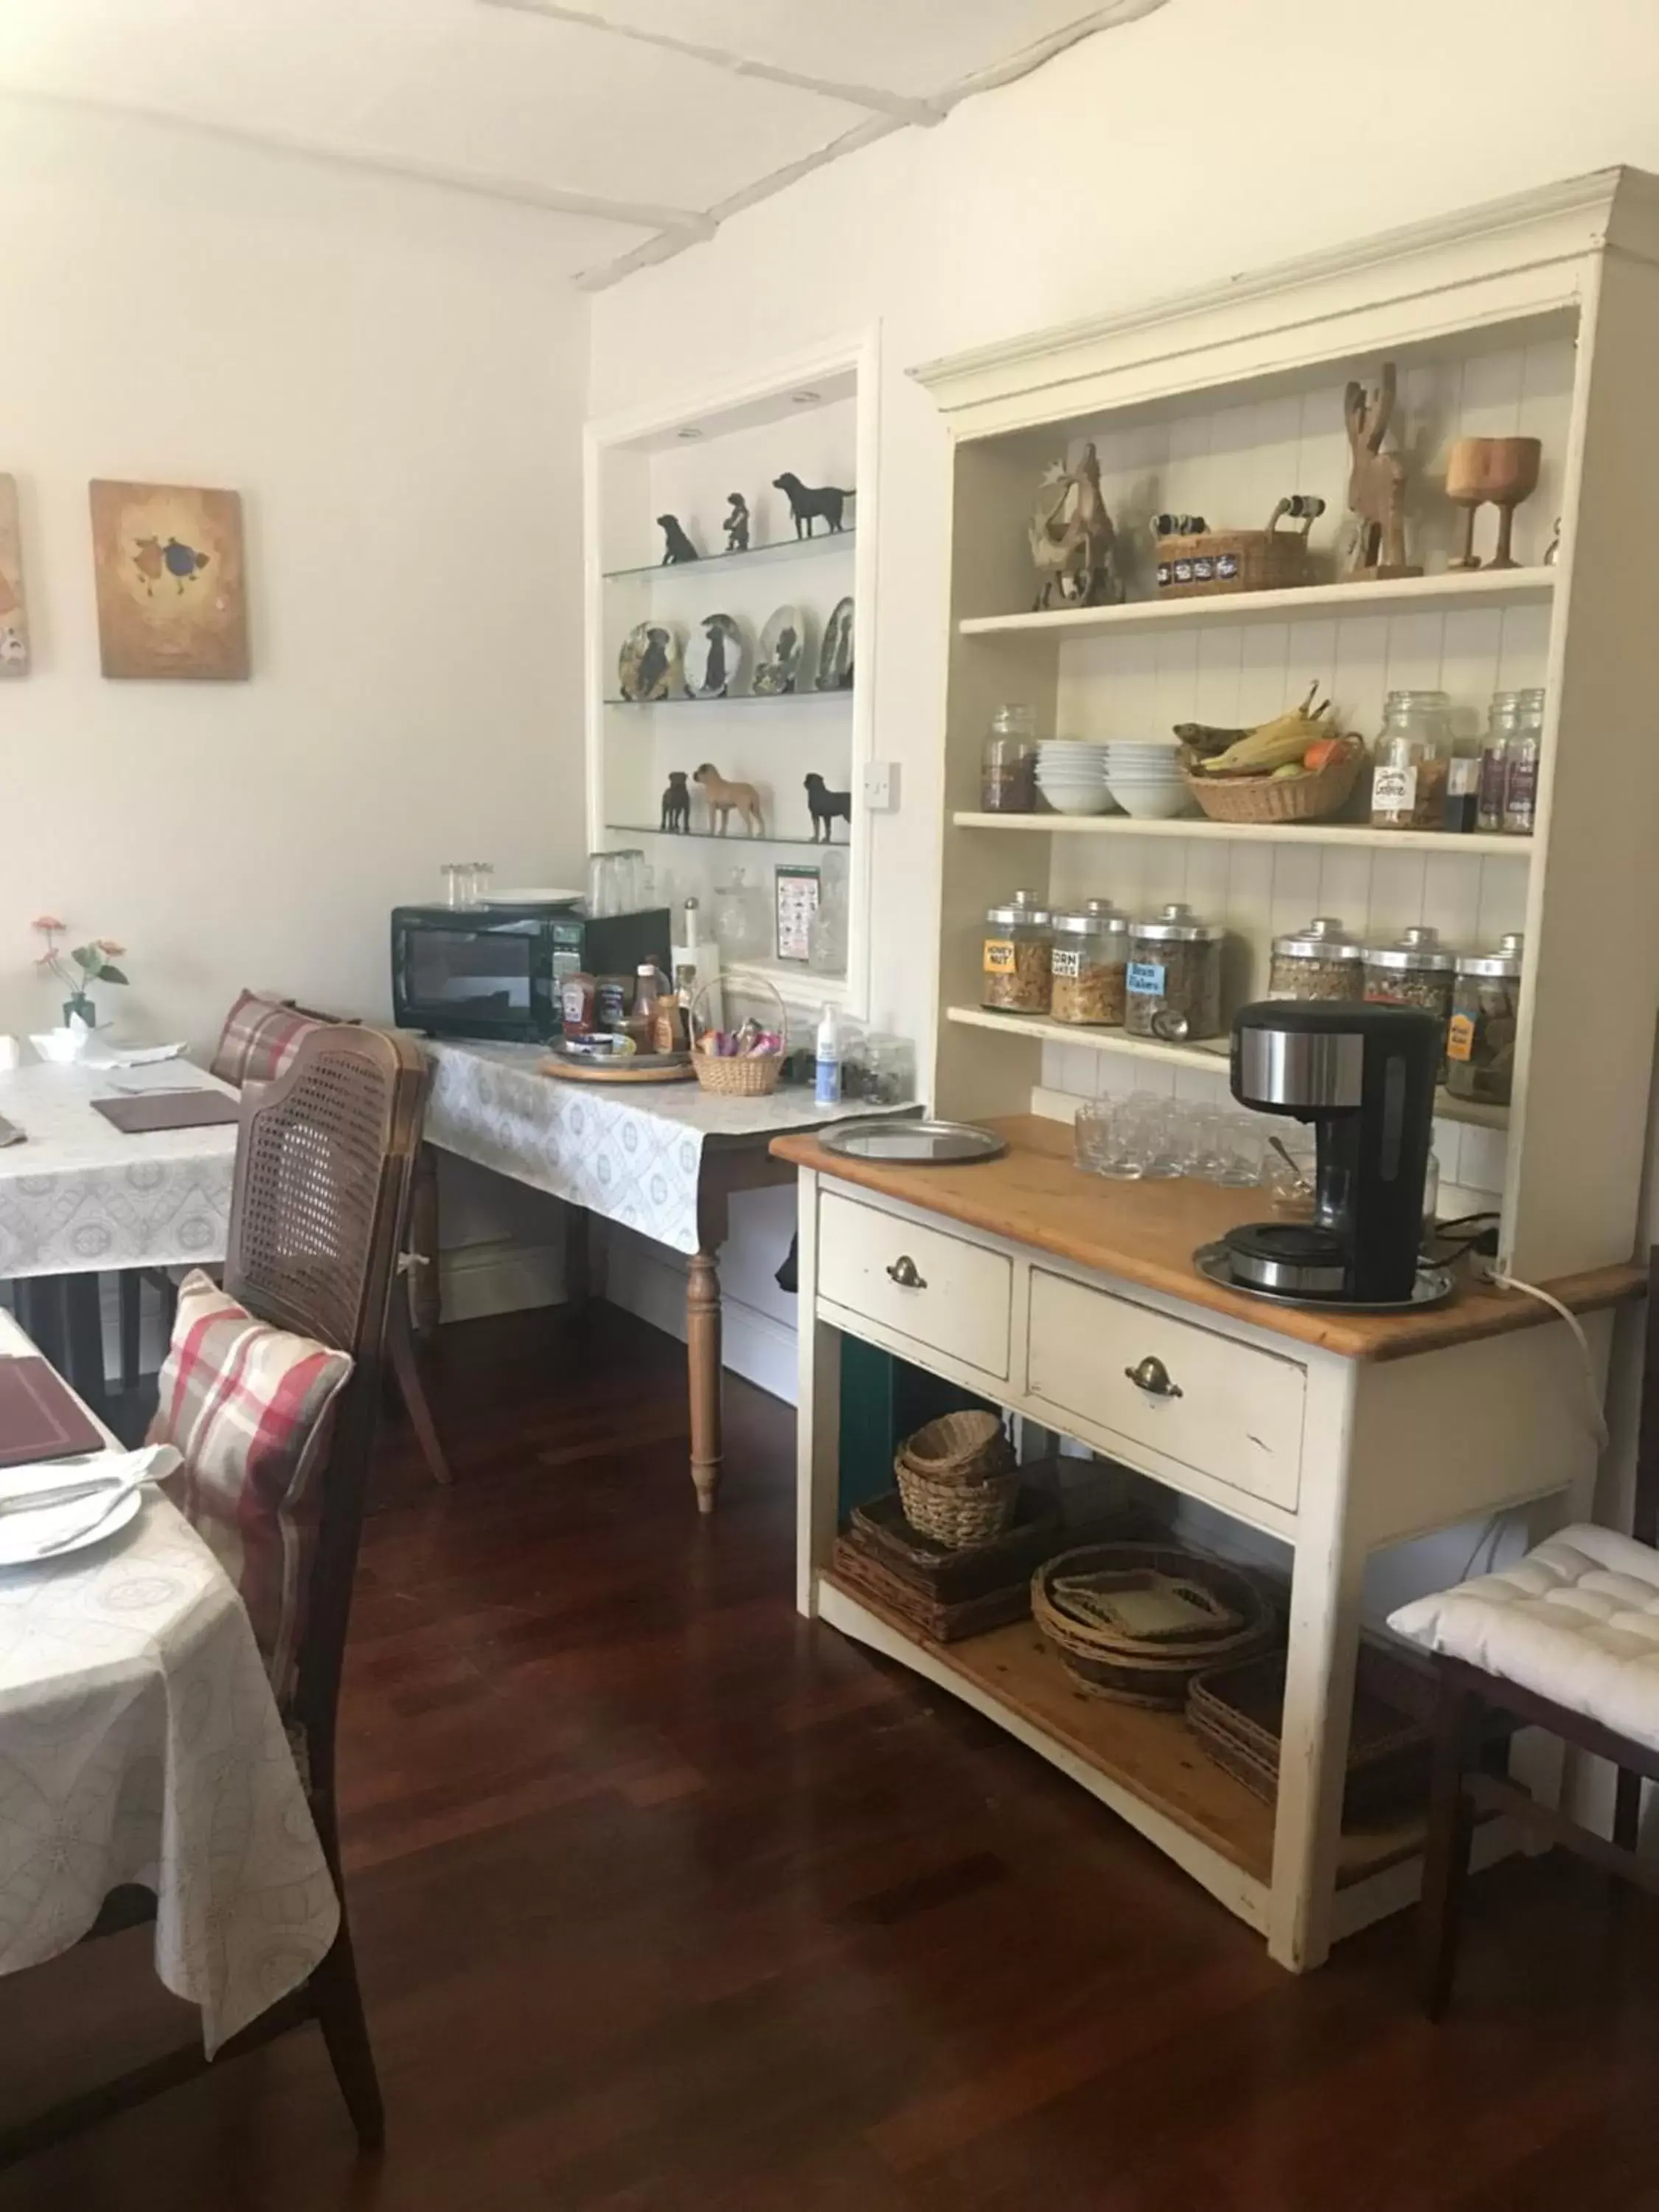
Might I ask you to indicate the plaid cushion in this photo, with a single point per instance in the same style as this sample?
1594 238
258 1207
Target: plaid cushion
260 1036
249 1406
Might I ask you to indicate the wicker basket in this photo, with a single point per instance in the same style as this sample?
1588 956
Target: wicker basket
957 1444
1257 798
1208 563
955 1513
1236 1711
1143 1671
756 1074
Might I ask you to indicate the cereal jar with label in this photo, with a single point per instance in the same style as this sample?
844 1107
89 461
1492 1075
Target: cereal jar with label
1088 964
1411 760
1414 969
1485 1011
1014 976
1173 986
1322 960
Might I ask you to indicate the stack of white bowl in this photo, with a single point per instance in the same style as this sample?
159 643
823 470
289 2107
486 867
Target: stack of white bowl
1146 779
1071 774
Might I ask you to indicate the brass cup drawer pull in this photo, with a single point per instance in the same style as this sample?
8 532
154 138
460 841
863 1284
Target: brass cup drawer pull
1152 1377
904 1272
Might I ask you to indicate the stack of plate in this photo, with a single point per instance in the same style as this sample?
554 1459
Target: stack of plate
1146 779
1070 775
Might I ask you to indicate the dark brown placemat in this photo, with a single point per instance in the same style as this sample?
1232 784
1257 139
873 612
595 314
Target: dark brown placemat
167 1109
40 1417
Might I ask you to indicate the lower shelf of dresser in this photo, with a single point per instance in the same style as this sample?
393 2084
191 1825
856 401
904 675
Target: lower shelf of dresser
1147 1766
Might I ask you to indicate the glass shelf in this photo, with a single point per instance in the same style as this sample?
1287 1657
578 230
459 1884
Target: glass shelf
784 548
736 699
714 837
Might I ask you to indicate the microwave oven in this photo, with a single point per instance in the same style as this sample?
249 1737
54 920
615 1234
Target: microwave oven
494 972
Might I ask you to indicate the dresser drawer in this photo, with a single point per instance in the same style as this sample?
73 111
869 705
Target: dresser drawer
937 1290
1231 1413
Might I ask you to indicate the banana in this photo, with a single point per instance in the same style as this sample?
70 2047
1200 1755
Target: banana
1273 744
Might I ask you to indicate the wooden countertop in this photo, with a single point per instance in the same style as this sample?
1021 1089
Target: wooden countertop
1146 1233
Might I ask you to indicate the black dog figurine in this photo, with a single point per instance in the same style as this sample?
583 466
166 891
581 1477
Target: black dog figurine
737 522
677 801
806 505
825 805
677 546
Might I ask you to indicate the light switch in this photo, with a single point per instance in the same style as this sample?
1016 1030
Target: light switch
881 785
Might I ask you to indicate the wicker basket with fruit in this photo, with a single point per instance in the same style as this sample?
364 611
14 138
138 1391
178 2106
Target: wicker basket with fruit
1293 768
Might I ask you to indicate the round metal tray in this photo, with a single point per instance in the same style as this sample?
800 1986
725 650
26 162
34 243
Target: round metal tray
1433 1287
912 1143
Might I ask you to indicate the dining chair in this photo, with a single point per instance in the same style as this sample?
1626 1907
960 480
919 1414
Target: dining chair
325 1158
1566 1639
261 1035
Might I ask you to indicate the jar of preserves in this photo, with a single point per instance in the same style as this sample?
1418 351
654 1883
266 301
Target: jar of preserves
1322 961
1089 964
1014 963
1414 969
1486 1009
1509 757
1411 761
1173 987
1008 763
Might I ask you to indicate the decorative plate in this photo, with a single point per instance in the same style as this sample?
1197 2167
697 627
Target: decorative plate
649 667
777 670
713 657
836 654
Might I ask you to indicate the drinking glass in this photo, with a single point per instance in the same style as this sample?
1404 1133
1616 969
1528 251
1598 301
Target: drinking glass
1206 1156
1240 1145
603 885
1090 1136
482 874
1160 1122
456 877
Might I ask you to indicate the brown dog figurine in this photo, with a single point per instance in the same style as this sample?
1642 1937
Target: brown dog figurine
725 799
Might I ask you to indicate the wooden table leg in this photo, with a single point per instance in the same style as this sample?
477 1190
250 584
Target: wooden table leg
703 1345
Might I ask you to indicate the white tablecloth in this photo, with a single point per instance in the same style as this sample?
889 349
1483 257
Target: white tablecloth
77 1195
634 1155
140 1742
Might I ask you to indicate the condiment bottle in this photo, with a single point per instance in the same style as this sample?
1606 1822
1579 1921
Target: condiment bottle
1008 762
610 1002
576 994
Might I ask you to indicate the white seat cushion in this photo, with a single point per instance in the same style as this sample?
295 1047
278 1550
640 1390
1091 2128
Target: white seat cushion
1576 1620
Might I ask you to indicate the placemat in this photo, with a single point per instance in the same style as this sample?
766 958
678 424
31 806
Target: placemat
40 1417
162 1110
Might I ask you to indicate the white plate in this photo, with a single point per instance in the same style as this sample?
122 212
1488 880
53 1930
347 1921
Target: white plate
22 1534
535 897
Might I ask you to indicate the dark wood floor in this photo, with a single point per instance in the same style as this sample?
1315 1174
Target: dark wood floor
666 1900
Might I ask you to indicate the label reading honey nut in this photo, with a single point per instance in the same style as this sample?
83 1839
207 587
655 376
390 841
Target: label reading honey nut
998 956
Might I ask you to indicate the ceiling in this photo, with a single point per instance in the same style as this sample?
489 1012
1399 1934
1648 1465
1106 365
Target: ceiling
645 123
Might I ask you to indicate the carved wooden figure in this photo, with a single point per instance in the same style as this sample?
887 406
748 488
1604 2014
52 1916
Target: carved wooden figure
1376 482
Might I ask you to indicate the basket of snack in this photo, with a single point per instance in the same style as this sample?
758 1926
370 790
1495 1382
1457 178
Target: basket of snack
1195 561
1293 768
745 1061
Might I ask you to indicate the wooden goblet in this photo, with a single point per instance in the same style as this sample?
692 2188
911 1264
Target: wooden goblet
1504 471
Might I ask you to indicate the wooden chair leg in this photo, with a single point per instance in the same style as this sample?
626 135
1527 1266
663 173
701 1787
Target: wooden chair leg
85 1338
1446 1856
1627 1810
406 1373
130 1287
338 2004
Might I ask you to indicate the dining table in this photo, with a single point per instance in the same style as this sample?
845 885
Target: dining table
80 1197
140 1743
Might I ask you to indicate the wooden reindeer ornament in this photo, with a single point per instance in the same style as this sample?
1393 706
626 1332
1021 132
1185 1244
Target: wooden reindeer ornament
1376 484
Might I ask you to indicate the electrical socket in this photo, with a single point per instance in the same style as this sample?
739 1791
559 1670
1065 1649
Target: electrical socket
881 786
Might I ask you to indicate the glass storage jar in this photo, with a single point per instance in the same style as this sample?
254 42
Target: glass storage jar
1485 1006
1523 753
1173 987
1411 761
1416 970
1014 963
1007 782
1088 964
1323 960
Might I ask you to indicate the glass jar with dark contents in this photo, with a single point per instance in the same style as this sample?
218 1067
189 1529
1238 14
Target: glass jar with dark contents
1173 988
1414 969
1485 1011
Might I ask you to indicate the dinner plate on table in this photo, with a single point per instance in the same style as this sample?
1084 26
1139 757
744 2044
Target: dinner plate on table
52 1532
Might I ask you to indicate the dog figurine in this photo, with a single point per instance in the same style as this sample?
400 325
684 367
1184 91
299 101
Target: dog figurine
737 522
677 546
806 505
725 799
677 802
826 807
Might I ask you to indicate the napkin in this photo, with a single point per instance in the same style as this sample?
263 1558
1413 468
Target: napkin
44 1509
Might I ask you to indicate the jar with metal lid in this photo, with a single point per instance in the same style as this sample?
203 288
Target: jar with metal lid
1088 964
1416 970
1486 1009
1509 761
1411 761
1014 963
1008 762
1173 987
1323 960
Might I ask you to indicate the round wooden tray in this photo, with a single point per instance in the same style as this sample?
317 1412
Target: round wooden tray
633 1067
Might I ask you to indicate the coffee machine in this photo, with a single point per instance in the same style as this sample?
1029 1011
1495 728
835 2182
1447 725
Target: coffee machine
1364 1077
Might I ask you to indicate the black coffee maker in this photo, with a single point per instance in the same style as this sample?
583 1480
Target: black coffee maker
1364 1077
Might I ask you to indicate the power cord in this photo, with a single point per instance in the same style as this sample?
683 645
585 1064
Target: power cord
1598 1419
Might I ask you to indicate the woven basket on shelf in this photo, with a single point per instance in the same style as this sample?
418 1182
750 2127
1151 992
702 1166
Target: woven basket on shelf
756 1074
1312 798
955 1443
1146 1671
955 1513
1235 1710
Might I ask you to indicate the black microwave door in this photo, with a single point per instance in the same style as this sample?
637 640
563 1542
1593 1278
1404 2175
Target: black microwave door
484 981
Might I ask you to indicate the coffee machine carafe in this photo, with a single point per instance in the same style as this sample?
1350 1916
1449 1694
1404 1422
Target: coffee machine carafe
1364 1077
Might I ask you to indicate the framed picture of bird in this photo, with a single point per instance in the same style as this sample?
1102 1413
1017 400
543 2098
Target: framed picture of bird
172 589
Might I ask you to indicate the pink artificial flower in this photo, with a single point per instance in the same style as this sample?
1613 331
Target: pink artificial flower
108 944
47 923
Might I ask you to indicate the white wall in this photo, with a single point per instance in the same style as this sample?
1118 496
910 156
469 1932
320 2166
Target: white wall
392 375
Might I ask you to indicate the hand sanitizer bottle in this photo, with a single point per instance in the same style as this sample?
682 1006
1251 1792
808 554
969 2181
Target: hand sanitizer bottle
826 1089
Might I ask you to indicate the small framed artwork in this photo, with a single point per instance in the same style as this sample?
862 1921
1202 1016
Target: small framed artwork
797 896
172 592
14 614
